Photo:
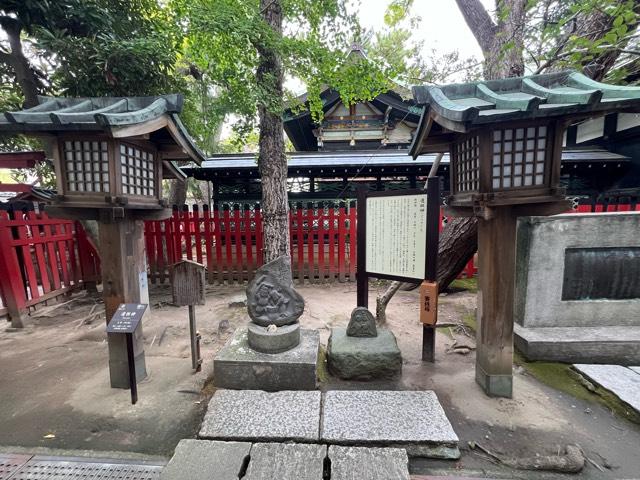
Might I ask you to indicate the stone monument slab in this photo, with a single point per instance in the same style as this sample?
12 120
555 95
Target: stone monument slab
239 366
204 459
356 463
577 298
286 461
405 419
363 358
255 415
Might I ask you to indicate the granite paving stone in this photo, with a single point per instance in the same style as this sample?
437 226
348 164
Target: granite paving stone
635 369
204 460
622 381
256 415
286 461
356 463
413 420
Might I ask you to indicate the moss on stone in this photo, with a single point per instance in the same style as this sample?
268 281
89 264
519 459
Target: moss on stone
564 378
321 369
469 284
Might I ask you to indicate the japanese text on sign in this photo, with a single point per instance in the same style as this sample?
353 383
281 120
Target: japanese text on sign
126 318
396 235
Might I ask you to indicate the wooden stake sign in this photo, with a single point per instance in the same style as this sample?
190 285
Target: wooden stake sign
429 303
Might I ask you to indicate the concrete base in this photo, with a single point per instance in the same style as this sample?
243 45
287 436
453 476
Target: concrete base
118 363
363 358
606 344
494 385
282 339
238 366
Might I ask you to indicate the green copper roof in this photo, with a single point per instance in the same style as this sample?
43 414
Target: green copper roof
107 114
554 94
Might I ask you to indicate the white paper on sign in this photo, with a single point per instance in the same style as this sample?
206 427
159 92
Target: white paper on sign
396 236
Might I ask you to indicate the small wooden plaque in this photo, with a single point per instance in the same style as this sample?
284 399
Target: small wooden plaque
429 303
188 283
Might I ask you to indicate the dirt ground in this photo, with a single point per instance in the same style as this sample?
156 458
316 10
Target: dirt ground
55 395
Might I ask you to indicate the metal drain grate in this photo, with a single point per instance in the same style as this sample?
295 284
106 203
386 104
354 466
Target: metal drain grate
10 464
50 469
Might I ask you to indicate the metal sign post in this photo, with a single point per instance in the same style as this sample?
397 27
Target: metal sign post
398 240
125 321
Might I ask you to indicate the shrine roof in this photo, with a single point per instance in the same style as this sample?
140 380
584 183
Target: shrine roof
463 107
117 116
363 163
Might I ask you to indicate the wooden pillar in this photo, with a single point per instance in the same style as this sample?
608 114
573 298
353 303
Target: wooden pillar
496 285
124 280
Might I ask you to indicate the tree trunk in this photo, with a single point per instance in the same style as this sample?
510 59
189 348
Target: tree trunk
272 163
25 76
458 243
177 192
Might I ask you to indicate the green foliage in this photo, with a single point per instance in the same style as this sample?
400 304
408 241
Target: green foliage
577 33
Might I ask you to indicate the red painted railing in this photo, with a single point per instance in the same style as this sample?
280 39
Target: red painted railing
41 258
230 242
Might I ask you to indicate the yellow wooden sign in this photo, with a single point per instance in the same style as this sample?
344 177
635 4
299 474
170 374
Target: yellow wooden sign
429 303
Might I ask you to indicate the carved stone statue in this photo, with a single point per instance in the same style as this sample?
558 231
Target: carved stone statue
362 323
274 307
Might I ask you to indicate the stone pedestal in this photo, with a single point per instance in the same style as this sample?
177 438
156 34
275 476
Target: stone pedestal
363 358
238 366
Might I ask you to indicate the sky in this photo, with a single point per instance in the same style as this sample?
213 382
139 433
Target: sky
442 27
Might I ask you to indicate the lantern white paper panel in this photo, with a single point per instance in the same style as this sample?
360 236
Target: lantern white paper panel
87 166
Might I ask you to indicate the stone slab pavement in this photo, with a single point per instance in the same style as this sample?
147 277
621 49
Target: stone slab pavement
197 459
624 382
262 416
413 420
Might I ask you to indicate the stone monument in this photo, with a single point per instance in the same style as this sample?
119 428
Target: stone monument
274 308
362 351
577 290
272 353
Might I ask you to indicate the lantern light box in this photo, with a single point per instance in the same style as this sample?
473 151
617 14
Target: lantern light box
110 154
504 138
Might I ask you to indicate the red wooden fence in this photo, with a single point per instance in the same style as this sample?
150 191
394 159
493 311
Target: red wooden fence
41 258
229 241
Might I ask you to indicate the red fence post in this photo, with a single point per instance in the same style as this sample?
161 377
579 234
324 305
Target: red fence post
89 259
353 241
342 230
11 279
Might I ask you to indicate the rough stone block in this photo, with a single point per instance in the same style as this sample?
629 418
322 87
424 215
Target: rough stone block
606 344
356 463
204 460
238 366
622 381
286 461
363 358
411 420
262 416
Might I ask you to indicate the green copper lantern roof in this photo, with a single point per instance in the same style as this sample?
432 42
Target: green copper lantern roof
118 116
464 107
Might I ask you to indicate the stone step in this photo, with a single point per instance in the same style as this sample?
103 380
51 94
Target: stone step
255 415
621 381
413 420
606 344
216 460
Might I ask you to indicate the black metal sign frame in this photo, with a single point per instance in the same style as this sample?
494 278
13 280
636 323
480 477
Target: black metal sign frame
431 254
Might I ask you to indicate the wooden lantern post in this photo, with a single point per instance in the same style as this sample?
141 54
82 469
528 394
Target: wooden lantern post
110 156
504 139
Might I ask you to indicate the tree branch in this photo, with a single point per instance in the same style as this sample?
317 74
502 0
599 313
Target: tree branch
480 22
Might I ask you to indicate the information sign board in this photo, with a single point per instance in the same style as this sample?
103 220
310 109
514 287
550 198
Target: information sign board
396 236
126 318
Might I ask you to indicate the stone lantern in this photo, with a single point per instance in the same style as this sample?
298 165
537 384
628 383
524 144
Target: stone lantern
110 156
505 138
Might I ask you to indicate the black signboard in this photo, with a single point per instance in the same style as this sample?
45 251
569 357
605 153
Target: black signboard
401 217
126 321
126 318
